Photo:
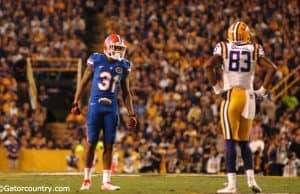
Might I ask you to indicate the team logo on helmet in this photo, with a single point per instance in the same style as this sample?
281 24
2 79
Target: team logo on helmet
114 47
239 32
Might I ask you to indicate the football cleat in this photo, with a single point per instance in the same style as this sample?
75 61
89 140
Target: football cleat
109 187
86 185
254 187
228 189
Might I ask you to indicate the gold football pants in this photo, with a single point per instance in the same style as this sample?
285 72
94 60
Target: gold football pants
234 126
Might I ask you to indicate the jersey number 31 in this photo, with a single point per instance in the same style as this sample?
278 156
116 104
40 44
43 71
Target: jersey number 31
108 83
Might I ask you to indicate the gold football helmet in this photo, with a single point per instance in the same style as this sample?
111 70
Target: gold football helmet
239 33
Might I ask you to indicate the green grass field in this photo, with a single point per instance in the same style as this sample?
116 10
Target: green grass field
151 184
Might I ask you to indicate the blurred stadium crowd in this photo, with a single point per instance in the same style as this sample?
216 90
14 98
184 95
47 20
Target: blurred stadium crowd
168 41
32 29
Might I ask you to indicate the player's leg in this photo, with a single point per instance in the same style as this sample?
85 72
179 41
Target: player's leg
229 123
245 127
93 129
89 157
111 121
231 110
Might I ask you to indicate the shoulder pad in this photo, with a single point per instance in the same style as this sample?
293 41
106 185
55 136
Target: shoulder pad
94 58
127 64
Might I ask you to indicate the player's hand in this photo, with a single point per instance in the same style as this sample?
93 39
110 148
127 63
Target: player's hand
261 93
132 122
218 90
75 109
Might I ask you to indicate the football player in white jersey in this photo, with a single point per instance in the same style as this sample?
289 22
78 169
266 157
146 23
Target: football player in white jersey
238 57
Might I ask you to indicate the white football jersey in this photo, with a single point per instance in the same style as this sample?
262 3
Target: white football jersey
238 63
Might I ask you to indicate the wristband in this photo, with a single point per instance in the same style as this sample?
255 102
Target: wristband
217 89
262 90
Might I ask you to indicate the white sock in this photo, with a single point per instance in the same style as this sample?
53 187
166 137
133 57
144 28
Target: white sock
232 179
87 173
250 176
106 176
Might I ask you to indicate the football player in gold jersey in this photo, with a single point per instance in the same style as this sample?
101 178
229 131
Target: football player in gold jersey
238 57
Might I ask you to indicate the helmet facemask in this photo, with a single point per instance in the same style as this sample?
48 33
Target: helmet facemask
115 51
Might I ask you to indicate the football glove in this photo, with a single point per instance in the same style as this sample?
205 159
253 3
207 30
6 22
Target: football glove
260 93
217 89
132 122
75 109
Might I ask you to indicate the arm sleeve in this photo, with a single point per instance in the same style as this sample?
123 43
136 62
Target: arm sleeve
218 50
128 66
90 61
